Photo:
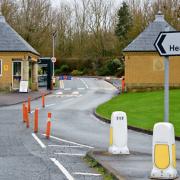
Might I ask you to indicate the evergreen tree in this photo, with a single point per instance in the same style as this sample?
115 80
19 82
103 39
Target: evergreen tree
123 24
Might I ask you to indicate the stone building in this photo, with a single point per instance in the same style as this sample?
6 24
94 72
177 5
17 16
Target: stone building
144 68
18 60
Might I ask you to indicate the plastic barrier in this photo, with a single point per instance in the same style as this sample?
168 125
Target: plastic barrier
118 133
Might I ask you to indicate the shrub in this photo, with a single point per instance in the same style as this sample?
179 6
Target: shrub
76 73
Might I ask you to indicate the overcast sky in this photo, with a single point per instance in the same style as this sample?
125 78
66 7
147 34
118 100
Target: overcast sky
57 2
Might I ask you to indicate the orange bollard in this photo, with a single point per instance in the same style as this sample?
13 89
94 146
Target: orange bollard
23 112
43 100
29 104
123 85
27 118
48 127
36 121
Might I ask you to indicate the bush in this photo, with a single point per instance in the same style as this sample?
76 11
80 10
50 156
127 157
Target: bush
64 69
76 73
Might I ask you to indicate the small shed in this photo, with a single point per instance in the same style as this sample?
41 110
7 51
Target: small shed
18 60
144 68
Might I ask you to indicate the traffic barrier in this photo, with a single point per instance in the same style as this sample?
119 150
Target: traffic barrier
23 112
27 118
29 104
164 152
118 133
48 127
43 100
36 121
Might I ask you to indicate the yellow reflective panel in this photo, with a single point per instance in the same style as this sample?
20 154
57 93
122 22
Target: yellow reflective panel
161 156
174 155
111 136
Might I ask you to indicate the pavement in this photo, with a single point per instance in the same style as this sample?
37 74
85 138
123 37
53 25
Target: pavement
7 99
135 166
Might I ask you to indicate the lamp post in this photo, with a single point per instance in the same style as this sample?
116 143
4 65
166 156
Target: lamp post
53 59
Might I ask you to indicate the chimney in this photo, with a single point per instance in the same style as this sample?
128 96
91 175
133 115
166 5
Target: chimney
159 17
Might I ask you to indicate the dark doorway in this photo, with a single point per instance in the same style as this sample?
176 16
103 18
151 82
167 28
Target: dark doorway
45 72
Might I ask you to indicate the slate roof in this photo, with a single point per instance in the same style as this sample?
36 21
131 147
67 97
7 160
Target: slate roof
11 41
145 41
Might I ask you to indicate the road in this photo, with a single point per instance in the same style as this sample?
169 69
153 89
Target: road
75 130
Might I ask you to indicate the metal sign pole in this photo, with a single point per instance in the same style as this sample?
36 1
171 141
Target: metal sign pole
166 89
53 54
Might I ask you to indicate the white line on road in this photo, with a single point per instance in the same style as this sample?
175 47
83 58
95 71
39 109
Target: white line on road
61 82
101 122
86 174
62 168
63 140
75 93
83 81
48 105
81 88
64 146
38 140
67 89
70 154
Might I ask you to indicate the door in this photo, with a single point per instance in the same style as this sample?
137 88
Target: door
17 74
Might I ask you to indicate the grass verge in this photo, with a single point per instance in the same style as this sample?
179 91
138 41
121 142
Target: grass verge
95 165
144 109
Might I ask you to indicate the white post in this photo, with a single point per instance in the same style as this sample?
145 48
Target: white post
164 152
118 133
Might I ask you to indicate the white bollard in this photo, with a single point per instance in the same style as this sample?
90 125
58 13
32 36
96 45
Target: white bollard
164 152
118 133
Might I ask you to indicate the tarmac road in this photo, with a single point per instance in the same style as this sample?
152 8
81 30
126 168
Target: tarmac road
75 131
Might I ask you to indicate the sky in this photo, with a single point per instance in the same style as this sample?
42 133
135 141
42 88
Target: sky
55 3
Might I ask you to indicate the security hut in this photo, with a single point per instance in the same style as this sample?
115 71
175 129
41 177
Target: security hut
144 68
18 60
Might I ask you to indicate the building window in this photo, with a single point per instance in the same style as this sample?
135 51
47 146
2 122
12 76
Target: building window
0 67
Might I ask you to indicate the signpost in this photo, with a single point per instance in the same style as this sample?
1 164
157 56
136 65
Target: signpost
167 44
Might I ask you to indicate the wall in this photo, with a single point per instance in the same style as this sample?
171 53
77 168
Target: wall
146 70
7 57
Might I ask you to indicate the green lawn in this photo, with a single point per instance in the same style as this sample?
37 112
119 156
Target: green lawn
144 109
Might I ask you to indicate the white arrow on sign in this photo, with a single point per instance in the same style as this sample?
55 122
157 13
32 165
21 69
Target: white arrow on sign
168 43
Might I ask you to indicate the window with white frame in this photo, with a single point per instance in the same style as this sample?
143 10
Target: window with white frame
0 67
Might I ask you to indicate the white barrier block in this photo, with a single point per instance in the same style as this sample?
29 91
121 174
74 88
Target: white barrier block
164 152
118 133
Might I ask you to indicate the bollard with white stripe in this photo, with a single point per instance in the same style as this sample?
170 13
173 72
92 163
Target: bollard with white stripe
164 152
118 133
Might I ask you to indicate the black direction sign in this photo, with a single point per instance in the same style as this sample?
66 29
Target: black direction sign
168 43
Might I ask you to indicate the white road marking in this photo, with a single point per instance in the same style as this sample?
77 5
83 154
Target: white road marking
62 168
61 82
101 122
86 174
81 88
38 140
63 140
48 105
84 82
70 154
59 93
75 93
67 89
64 146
